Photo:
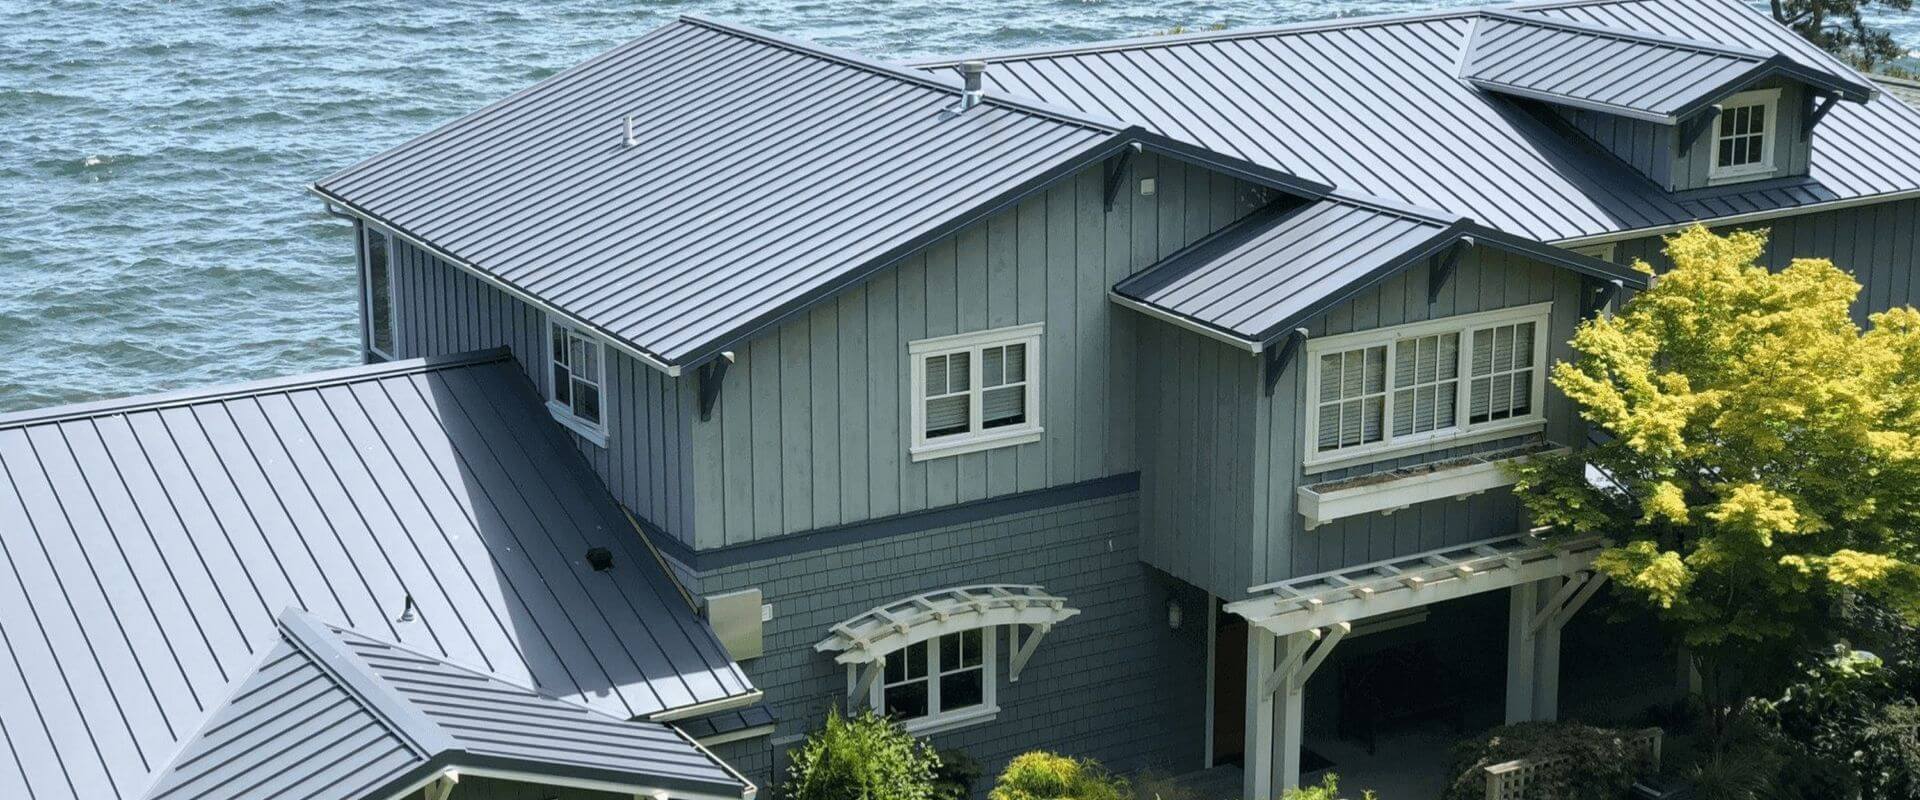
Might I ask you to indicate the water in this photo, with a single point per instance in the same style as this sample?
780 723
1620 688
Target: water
154 228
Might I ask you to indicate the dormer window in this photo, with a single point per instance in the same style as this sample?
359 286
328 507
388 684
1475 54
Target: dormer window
576 393
1743 142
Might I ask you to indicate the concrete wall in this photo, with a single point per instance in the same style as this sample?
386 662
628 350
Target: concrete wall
1114 682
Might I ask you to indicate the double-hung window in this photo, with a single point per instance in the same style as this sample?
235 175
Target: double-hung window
1743 141
376 283
939 681
576 389
975 391
1425 386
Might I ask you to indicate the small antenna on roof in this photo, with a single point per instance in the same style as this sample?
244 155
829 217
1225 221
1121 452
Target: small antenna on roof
406 611
972 90
630 140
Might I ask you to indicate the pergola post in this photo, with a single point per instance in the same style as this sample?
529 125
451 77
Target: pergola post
1523 602
1260 744
1277 671
1536 612
1546 653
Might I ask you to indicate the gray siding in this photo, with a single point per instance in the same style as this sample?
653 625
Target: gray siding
1653 149
1879 244
441 309
1114 682
1790 153
812 427
1222 460
1647 146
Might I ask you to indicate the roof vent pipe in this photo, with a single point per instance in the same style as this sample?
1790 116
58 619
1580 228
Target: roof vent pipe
972 91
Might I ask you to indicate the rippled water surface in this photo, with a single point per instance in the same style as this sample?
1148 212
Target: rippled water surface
154 229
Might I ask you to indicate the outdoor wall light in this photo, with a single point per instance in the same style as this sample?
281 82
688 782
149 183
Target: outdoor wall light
1175 615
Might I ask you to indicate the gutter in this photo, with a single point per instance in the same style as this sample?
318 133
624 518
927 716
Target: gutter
1736 219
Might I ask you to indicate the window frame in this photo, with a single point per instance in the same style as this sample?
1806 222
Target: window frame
365 250
1461 432
595 432
1769 145
976 438
938 719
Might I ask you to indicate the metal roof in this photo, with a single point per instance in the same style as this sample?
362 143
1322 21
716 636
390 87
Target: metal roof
1375 107
330 714
1253 281
146 546
1642 76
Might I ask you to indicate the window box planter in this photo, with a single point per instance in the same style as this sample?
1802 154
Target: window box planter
1387 492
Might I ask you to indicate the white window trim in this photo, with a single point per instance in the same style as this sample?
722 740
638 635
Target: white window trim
943 720
563 413
1769 145
1605 251
917 352
1462 433
366 289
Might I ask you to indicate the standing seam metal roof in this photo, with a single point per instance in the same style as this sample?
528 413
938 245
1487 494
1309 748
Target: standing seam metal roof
147 544
1374 106
331 714
1657 78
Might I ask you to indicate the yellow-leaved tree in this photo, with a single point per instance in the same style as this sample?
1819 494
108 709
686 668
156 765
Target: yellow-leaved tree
1756 455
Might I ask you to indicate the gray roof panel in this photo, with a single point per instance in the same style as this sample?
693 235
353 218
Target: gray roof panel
331 714
1376 107
147 544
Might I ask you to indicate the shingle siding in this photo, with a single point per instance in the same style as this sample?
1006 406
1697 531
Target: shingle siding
1113 682
813 423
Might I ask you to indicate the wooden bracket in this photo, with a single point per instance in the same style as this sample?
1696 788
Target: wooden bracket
1022 651
1117 170
1279 354
1565 603
1814 113
711 373
1292 674
1599 295
1442 265
863 687
439 788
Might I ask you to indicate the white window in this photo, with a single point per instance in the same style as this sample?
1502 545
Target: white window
576 390
939 682
975 391
1425 386
1743 140
376 280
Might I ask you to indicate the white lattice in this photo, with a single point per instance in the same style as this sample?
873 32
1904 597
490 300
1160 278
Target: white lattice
1512 780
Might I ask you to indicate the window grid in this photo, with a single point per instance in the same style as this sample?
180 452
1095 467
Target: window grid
975 391
941 677
1502 386
377 255
1743 134
578 366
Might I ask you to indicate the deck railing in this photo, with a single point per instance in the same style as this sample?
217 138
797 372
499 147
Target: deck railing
1511 780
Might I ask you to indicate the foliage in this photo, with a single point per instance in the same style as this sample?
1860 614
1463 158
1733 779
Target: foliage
954 778
1587 763
1328 789
1850 714
1838 26
864 758
1159 786
1761 455
1041 775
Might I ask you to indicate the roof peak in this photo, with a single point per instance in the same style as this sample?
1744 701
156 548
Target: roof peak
217 392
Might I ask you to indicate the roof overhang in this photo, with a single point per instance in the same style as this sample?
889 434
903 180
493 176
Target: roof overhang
869 637
1323 599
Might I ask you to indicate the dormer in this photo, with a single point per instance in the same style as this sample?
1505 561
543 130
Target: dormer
1687 114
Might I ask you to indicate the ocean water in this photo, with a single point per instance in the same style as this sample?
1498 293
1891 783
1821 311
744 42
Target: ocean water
155 231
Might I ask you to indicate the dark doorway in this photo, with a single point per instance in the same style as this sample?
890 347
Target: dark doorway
1229 688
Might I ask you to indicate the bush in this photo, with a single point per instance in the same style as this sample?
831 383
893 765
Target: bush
864 758
956 775
1329 789
1046 776
1600 763
1853 714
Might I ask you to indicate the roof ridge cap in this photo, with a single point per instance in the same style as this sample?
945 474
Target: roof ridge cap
533 690
1623 33
899 72
227 391
324 648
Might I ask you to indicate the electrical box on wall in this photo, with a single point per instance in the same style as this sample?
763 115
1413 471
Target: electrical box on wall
736 618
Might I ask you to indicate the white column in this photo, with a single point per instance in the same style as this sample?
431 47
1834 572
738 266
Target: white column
1523 603
1288 701
1546 655
1258 743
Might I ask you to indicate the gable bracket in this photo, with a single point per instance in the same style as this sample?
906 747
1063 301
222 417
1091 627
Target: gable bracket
1815 113
1598 295
1279 354
1694 126
1117 170
711 374
1441 266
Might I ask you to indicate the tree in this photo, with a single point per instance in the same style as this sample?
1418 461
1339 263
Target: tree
1758 457
1838 26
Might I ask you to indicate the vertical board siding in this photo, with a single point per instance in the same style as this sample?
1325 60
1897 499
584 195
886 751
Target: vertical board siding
441 309
1655 149
813 422
1648 146
1879 244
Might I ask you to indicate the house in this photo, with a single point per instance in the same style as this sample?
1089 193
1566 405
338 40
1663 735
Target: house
1100 399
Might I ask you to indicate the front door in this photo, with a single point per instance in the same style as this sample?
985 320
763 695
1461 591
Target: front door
1229 688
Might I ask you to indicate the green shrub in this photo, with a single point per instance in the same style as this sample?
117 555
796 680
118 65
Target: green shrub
1046 776
864 758
956 775
1854 715
1600 763
1329 789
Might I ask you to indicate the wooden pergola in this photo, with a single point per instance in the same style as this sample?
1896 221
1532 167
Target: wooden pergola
1294 624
